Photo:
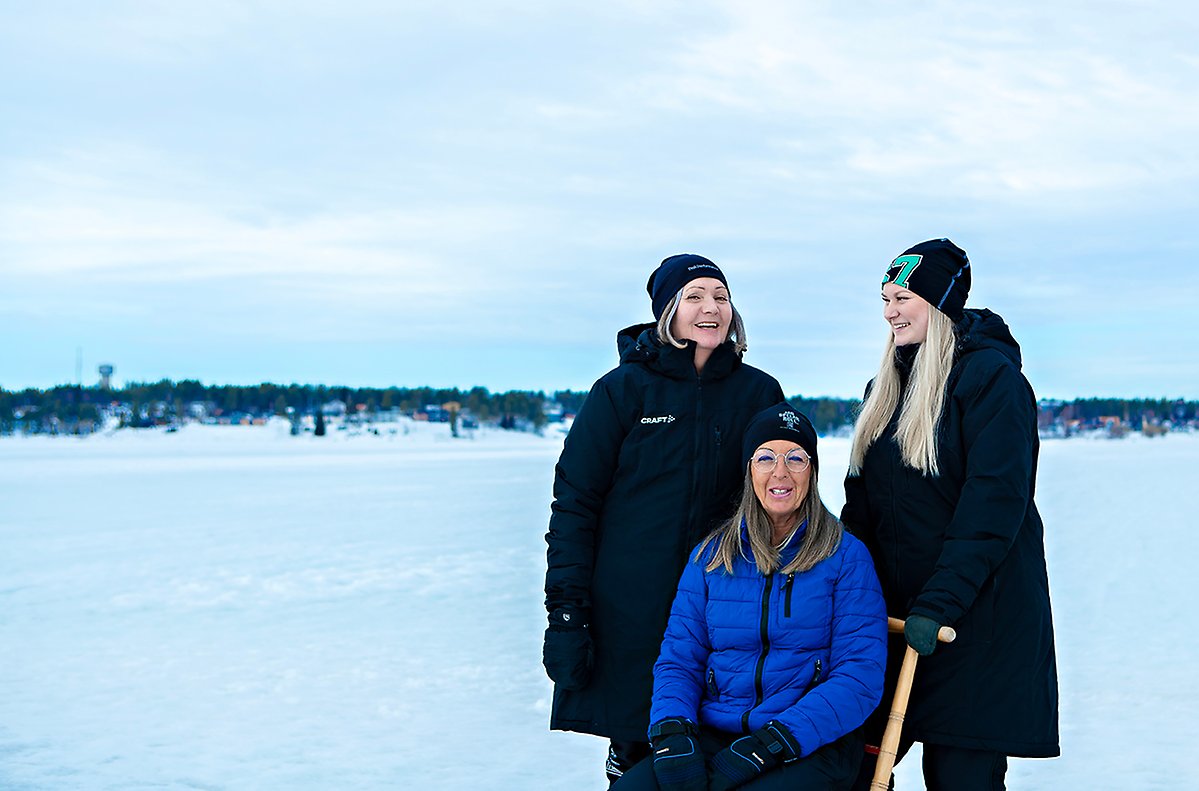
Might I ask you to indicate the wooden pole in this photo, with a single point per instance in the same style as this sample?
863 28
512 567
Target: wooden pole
899 707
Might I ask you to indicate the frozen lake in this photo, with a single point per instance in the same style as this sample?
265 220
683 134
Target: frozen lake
235 608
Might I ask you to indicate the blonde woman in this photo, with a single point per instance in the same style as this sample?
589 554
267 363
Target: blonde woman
776 644
650 465
940 489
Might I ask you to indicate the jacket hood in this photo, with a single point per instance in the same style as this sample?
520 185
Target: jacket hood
981 328
639 344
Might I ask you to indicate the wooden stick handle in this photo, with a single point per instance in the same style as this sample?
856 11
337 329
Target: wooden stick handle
945 634
899 707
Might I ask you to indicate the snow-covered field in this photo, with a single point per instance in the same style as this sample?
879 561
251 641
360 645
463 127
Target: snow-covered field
235 608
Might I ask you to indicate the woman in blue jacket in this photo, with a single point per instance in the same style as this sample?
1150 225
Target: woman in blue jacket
651 464
776 644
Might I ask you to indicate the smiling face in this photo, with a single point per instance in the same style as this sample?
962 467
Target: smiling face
780 490
907 313
704 315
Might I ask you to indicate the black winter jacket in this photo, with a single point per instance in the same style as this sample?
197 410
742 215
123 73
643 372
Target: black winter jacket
651 464
966 548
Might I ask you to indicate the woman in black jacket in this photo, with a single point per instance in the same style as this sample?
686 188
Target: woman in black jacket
940 488
651 464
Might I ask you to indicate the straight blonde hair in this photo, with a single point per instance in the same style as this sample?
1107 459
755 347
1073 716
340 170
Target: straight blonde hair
820 541
736 329
923 401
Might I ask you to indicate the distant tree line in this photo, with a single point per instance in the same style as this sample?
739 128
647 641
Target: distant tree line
1130 410
145 403
827 414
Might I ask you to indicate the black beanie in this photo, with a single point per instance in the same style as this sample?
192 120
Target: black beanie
674 273
781 421
938 271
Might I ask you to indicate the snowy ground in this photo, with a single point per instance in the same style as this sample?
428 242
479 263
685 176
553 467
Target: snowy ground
235 608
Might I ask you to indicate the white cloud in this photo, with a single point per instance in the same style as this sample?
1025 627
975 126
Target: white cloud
120 211
990 102
512 173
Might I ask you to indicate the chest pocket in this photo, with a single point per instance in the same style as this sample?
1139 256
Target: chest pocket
807 609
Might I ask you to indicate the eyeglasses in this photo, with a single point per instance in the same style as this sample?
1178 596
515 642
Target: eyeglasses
764 460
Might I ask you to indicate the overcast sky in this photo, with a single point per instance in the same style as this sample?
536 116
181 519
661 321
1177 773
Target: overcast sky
458 194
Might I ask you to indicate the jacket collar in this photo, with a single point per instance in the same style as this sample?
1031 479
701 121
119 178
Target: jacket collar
639 344
789 550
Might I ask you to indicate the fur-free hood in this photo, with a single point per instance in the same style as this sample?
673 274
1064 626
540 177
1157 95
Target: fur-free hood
981 328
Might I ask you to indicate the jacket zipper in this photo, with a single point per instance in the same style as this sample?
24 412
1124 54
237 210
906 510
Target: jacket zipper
765 632
815 676
787 606
696 467
714 481
716 459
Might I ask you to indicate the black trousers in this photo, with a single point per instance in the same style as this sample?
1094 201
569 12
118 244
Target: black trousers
947 768
831 768
623 756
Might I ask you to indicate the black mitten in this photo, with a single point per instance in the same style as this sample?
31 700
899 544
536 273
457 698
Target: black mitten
921 633
567 652
678 761
769 747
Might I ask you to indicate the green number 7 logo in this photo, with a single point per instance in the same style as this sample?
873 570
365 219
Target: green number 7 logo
906 264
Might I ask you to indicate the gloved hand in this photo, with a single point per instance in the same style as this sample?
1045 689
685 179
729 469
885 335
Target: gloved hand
567 652
921 633
678 761
769 747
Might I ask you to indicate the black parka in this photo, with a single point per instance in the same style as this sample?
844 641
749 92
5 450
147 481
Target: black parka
966 548
651 464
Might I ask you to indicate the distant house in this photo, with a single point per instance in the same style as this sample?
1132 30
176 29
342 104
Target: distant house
1048 413
436 414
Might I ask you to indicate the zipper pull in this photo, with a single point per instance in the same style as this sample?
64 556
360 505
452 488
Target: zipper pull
816 675
718 436
787 605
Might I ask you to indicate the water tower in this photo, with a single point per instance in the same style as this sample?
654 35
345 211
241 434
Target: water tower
105 377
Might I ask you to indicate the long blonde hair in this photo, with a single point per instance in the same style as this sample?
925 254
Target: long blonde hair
736 326
820 540
923 401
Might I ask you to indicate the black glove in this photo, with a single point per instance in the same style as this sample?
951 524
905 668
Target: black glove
921 633
769 747
567 652
678 761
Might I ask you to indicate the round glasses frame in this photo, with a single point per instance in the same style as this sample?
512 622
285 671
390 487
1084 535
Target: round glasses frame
765 460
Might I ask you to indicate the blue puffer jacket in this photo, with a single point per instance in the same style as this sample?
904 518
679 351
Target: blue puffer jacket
806 649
